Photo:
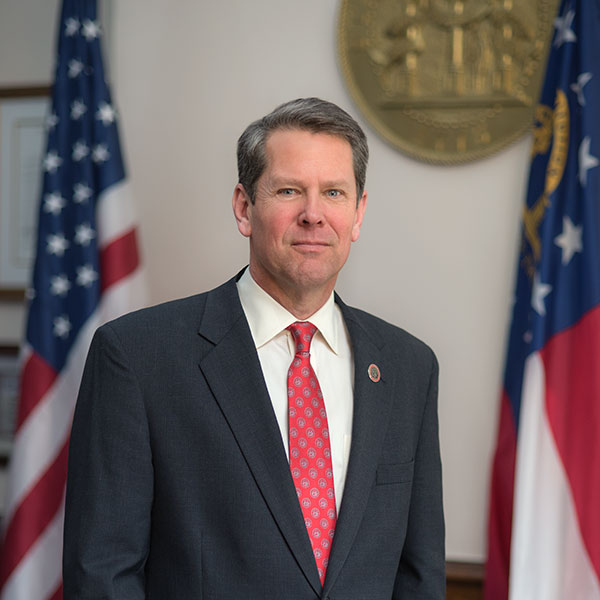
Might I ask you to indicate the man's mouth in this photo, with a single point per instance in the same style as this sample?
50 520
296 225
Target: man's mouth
309 245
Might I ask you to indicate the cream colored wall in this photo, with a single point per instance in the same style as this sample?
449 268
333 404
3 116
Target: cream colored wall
438 247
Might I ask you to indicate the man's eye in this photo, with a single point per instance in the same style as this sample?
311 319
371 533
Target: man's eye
286 192
334 193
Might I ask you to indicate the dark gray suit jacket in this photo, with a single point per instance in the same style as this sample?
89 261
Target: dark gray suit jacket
179 486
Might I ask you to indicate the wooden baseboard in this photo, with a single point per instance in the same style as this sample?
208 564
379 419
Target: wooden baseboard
464 581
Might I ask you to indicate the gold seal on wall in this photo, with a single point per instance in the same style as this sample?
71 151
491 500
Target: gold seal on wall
446 81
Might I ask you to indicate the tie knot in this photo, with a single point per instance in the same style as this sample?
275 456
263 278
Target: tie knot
303 333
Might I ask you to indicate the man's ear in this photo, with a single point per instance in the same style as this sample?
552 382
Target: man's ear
242 209
358 218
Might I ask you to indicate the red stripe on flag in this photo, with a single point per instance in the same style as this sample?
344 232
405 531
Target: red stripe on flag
501 506
57 594
573 405
119 259
36 379
34 514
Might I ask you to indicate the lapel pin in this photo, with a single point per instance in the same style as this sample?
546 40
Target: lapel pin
374 373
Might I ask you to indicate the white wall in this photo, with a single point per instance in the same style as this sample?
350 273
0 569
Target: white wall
439 245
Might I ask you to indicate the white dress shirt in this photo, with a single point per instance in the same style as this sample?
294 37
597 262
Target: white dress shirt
330 357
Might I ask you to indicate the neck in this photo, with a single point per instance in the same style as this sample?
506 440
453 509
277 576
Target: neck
300 303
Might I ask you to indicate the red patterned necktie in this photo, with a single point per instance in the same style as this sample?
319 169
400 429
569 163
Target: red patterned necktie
310 453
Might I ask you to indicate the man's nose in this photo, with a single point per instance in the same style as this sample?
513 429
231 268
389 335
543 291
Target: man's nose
312 209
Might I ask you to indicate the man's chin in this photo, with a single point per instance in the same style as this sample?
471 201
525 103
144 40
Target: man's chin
313 279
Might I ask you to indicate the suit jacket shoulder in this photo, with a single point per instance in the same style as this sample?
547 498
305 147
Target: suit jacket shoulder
176 320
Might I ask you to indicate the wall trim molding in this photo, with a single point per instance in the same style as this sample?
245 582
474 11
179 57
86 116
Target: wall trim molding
464 580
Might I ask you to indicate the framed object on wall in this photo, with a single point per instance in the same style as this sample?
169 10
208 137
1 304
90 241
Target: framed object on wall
9 391
23 113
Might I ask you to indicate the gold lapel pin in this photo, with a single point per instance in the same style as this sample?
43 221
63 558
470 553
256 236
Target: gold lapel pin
374 373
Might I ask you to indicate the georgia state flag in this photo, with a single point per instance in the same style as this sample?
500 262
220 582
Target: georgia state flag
544 535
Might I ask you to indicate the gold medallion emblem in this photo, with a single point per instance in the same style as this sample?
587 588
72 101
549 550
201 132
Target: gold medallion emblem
446 81
550 126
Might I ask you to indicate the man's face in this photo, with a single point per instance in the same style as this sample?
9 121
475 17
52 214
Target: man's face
305 215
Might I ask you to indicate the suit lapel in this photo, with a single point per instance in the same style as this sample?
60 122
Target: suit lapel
232 370
372 402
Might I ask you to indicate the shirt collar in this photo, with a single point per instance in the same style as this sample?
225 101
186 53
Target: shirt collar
267 318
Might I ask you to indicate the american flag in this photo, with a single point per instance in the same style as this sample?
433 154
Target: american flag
544 528
87 270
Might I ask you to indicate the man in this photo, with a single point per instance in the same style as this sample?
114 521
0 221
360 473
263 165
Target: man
262 440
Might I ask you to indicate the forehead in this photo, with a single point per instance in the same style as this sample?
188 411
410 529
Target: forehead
299 149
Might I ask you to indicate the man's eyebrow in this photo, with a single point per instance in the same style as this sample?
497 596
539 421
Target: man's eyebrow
282 180
277 180
338 183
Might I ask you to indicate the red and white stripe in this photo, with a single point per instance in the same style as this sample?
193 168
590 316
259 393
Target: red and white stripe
32 538
555 547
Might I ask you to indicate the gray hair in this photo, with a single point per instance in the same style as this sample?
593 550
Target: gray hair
307 114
